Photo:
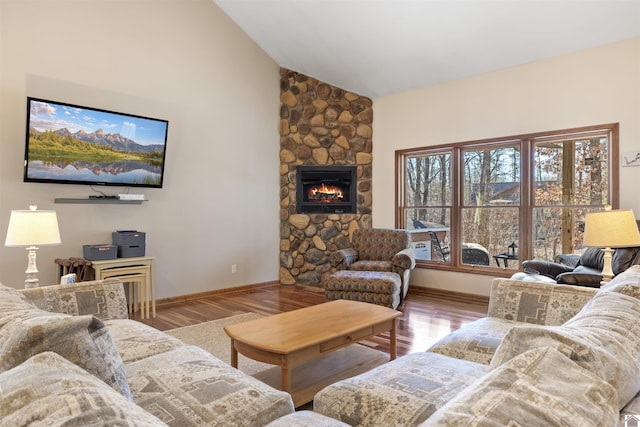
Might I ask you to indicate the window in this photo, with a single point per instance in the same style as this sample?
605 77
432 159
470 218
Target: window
480 205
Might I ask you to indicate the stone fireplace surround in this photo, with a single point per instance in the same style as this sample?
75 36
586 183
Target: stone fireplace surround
320 125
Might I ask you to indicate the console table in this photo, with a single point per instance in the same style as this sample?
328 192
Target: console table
136 269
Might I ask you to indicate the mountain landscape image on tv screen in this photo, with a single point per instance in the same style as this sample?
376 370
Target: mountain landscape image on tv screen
79 145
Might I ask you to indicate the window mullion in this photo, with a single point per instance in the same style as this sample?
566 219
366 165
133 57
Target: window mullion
456 206
526 200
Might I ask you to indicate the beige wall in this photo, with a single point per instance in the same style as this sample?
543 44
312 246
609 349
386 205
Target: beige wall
592 87
181 60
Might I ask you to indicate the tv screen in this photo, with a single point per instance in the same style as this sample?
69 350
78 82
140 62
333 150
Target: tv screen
71 144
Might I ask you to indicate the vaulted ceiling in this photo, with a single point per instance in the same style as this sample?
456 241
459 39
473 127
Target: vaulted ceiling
378 48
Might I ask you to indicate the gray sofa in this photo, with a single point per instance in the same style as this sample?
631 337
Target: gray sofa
546 354
69 356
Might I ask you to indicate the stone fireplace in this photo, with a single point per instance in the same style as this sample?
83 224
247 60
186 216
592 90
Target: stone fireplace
321 126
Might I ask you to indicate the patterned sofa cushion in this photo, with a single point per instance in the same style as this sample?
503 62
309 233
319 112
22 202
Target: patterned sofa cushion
603 338
104 299
49 390
188 386
513 303
476 341
536 303
371 265
136 341
84 340
405 391
522 392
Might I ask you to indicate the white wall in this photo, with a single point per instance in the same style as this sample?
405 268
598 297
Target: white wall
596 86
180 60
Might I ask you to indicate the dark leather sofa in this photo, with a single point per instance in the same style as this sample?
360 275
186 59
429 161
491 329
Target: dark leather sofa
585 269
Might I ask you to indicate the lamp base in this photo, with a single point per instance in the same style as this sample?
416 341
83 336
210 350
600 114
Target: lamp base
607 272
32 271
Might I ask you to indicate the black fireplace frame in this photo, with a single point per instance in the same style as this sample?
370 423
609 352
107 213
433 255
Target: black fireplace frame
307 174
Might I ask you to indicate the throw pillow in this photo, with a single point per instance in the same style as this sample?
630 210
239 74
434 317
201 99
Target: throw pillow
84 340
540 387
49 390
603 338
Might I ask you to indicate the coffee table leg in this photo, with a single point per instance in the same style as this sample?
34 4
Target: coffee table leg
286 377
234 355
392 341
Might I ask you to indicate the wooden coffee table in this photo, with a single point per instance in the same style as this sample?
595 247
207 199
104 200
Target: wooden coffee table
304 342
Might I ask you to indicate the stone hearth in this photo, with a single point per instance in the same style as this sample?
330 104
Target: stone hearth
320 125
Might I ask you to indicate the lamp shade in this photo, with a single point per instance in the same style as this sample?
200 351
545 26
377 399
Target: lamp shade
33 227
611 229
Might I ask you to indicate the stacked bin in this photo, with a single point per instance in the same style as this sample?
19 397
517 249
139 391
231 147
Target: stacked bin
130 243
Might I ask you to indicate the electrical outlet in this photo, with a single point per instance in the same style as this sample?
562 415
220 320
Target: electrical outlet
234 269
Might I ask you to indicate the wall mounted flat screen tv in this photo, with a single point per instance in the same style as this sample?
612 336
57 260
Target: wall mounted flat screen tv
71 144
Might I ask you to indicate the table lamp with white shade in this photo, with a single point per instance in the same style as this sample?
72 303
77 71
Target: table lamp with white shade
32 228
609 230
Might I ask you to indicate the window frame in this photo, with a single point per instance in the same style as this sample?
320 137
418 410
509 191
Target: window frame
526 144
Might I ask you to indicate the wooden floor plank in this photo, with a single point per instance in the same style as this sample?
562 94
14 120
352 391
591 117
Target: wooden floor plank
426 317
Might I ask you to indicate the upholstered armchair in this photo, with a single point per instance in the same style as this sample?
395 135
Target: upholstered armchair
378 249
581 270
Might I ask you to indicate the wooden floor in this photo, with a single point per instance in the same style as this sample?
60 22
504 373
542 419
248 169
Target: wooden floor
426 317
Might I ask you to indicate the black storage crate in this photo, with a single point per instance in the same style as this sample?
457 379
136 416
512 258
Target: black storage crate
130 251
99 252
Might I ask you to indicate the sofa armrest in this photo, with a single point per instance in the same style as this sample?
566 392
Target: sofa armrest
104 299
546 268
537 303
343 258
405 259
581 279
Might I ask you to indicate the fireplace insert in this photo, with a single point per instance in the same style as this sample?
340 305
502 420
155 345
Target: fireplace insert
326 189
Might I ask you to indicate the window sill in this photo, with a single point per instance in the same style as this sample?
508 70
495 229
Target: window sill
479 269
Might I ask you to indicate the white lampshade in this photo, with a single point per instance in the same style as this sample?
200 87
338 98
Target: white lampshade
611 229
33 227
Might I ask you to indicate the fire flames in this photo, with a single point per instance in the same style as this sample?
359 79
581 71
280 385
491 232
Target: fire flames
325 193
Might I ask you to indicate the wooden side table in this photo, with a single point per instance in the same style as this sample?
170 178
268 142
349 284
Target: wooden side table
137 269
